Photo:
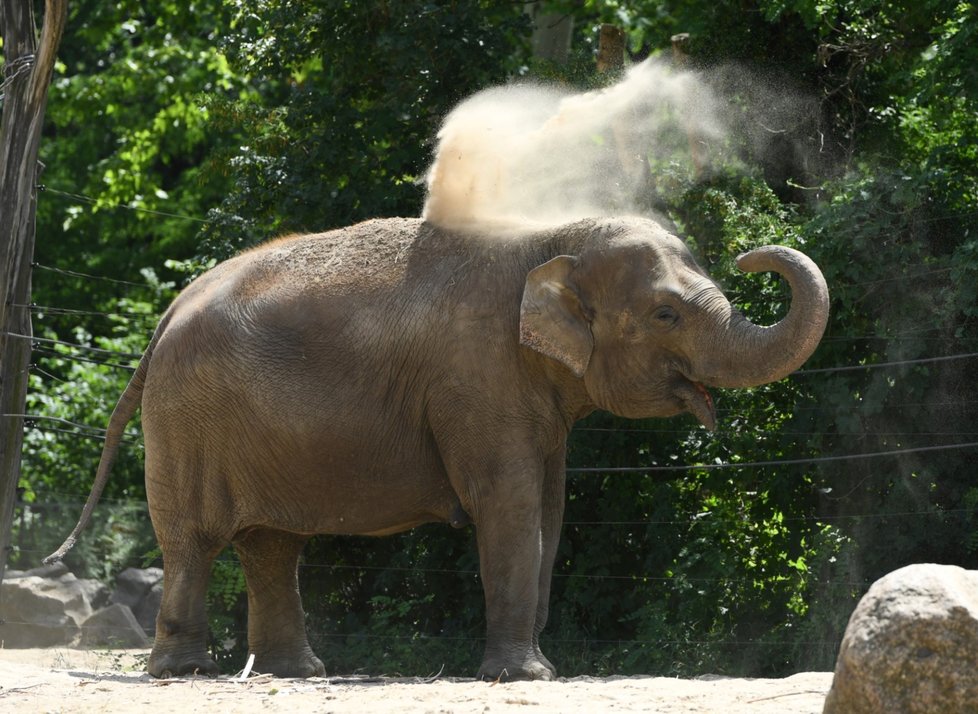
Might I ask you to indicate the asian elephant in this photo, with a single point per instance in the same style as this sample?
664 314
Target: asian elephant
373 378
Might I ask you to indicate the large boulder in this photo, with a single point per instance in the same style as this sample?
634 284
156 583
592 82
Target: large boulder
141 590
42 607
149 607
49 606
911 645
113 626
132 585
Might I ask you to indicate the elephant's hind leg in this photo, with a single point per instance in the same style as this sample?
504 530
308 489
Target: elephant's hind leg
276 623
180 646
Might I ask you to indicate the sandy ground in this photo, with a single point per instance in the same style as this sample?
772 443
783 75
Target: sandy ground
66 680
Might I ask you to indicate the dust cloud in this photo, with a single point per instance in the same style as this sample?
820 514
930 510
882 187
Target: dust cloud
528 153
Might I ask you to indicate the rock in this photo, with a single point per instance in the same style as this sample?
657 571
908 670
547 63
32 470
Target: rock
54 571
133 584
49 606
148 608
911 645
142 592
113 626
95 592
39 613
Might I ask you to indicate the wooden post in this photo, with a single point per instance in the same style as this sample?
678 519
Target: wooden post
28 65
679 44
611 49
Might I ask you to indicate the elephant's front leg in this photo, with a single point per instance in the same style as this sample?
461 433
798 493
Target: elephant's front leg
508 529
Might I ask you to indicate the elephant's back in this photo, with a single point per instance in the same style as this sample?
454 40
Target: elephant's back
286 343
287 315
369 254
366 256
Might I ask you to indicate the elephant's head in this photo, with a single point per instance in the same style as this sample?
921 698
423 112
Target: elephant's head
645 328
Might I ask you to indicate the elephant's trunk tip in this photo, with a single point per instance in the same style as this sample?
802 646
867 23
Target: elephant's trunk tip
760 355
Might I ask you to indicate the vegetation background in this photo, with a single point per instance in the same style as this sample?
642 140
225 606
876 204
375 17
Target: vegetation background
179 132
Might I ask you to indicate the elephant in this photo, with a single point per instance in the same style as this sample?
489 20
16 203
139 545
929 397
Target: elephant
370 379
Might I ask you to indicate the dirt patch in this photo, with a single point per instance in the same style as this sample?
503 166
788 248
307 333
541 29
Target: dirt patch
77 681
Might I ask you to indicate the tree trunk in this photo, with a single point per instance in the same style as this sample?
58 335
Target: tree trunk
611 49
27 69
552 33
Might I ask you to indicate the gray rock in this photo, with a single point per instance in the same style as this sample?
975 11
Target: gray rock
911 645
113 626
96 592
54 571
39 613
148 608
49 606
133 584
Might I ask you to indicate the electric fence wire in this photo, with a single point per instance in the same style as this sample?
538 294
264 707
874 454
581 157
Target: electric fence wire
138 209
45 310
796 373
70 501
86 360
36 341
14 70
422 637
89 433
695 518
650 468
95 433
87 276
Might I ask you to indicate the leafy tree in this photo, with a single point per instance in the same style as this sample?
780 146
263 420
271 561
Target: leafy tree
126 137
276 115
349 98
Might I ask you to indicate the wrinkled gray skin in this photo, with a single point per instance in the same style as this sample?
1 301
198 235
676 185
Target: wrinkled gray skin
374 378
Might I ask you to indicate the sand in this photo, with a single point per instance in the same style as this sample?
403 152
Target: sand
78 681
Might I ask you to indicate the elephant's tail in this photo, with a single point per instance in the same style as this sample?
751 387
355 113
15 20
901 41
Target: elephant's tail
124 410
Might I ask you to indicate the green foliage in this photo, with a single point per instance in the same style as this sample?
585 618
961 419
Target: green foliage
128 136
227 610
349 97
72 390
380 604
238 121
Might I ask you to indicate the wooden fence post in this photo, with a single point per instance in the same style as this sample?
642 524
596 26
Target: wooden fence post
28 65
611 49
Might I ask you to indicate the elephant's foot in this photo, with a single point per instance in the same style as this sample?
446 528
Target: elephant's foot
542 659
496 669
295 664
168 665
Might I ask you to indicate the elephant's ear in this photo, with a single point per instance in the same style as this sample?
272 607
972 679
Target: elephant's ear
552 318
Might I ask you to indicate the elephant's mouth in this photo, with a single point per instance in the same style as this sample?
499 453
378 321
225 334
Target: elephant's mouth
698 402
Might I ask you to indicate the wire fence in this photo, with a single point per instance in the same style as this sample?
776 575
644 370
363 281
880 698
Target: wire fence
421 637
89 354
953 440
64 504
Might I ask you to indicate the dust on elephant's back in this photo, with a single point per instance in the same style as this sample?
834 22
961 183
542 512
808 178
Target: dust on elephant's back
334 262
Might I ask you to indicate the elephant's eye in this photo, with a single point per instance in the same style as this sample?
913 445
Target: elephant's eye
665 316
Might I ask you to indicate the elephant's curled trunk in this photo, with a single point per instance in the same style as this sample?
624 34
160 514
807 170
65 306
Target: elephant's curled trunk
752 355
